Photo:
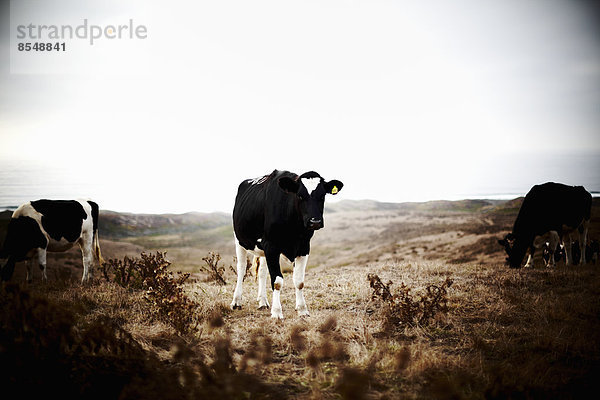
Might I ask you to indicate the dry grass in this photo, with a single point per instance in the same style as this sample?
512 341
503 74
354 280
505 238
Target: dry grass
502 333
505 333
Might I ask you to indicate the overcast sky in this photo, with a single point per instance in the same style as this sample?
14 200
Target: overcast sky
400 100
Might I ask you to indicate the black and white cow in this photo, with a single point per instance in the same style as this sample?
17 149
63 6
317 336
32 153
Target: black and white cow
550 212
40 226
275 215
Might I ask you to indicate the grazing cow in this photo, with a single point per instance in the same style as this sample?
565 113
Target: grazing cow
547 208
40 226
275 215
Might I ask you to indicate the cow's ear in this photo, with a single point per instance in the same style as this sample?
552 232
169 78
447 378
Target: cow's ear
333 186
289 185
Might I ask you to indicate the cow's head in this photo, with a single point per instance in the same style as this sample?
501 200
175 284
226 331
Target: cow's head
514 250
22 236
310 190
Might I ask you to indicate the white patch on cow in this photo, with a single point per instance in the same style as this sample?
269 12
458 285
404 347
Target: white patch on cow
256 252
276 310
259 180
299 270
311 183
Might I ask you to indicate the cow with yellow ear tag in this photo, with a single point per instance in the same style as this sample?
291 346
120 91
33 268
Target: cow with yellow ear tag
276 215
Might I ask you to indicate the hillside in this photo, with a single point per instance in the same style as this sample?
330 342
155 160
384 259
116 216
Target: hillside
356 231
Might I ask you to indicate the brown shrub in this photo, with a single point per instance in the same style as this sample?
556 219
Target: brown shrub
164 291
404 308
213 269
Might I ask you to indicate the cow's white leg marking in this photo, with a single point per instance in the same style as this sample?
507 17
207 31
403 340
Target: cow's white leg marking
85 244
299 270
276 309
529 263
242 256
263 273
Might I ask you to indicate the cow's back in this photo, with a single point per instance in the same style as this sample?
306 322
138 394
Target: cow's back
260 204
61 218
550 206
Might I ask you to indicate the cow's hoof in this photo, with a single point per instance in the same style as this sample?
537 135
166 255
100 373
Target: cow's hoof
264 307
277 314
236 307
302 311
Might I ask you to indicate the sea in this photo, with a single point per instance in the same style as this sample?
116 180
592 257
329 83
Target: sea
21 182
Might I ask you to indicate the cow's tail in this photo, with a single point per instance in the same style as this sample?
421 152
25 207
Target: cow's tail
256 265
96 220
97 252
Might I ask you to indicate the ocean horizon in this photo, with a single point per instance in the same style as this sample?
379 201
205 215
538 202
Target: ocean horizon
138 192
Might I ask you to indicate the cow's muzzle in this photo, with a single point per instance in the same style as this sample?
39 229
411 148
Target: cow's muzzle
315 224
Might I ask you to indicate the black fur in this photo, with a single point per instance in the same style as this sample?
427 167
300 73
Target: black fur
61 218
22 236
279 216
546 207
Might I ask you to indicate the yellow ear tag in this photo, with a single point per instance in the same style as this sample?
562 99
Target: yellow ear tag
334 190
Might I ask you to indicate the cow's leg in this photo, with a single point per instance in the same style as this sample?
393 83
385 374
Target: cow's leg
272 258
299 270
263 272
87 251
41 258
29 270
583 230
242 260
553 244
567 245
529 263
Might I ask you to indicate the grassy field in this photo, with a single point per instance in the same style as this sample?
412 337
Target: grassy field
494 332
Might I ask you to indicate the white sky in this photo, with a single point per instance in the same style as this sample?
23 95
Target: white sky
399 100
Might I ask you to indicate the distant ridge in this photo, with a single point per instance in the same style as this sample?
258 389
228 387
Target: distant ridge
434 205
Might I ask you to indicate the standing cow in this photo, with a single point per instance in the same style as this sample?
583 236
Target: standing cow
549 211
273 215
40 226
